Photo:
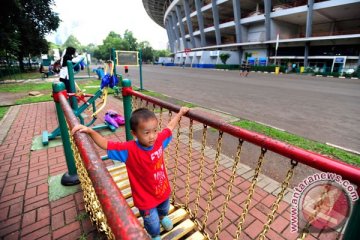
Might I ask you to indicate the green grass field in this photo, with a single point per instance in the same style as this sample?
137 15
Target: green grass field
46 89
300 142
22 76
3 111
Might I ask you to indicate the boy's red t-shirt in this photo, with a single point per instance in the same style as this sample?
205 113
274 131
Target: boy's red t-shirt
146 169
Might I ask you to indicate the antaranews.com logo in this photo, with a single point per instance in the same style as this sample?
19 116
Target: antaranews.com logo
321 202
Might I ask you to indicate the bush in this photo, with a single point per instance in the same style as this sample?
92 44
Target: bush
229 67
224 57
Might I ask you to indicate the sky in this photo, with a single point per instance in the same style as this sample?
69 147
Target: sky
91 21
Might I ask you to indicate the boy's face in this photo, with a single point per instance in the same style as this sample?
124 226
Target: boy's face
146 132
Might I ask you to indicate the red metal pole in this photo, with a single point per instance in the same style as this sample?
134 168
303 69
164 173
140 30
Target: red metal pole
320 162
120 218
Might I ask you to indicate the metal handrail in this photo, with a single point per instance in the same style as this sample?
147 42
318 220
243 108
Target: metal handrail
120 218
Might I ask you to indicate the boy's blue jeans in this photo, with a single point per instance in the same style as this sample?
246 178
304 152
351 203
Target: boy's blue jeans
152 217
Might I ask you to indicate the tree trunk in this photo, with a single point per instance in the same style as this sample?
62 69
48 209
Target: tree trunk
21 64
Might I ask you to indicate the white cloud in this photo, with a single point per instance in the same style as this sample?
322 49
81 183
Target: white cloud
91 21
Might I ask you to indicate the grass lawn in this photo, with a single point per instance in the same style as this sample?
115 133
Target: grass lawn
3 111
300 142
34 99
46 89
21 76
25 87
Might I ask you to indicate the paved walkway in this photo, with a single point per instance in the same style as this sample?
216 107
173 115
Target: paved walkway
27 213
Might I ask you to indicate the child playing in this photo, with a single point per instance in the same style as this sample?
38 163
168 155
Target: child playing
145 165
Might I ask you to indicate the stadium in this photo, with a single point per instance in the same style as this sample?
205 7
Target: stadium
311 33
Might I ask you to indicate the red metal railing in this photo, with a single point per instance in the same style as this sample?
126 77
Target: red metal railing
120 218
311 159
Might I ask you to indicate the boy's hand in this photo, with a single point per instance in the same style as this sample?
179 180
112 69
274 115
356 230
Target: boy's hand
80 128
184 110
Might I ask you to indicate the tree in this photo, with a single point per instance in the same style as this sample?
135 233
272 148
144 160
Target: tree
24 24
147 51
130 41
72 41
224 57
113 40
161 53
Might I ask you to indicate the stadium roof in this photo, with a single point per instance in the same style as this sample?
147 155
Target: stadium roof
156 9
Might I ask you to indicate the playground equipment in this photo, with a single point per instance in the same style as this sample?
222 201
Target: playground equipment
130 58
78 96
201 187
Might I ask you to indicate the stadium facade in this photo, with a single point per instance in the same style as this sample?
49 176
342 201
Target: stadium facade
307 32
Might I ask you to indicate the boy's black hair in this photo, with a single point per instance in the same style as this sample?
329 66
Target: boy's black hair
70 51
138 115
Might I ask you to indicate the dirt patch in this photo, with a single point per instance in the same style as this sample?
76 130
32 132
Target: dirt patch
8 99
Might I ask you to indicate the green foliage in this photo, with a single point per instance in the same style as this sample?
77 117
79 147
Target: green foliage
25 87
224 57
300 141
228 66
127 42
34 99
24 25
82 216
161 53
269 68
3 111
72 41
147 51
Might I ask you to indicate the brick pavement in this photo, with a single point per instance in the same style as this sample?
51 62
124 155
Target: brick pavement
26 213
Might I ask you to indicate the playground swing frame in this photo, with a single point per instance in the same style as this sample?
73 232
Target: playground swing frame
46 136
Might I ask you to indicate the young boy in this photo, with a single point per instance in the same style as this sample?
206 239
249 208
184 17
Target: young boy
145 165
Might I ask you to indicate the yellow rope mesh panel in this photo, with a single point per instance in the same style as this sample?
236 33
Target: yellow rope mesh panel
91 202
214 175
324 196
275 205
191 129
250 194
228 194
176 161
201 172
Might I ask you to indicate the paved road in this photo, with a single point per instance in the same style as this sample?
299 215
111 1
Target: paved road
323 109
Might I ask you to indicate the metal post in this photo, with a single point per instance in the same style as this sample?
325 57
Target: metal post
113 58
70 178
88 64
73 100
126 83
140 69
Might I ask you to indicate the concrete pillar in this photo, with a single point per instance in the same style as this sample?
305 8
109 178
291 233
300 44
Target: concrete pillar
215 12
359 61
306 54
201 22
309 18
267 10
176 30
181 24
170 35
189 23
237 18
240 52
